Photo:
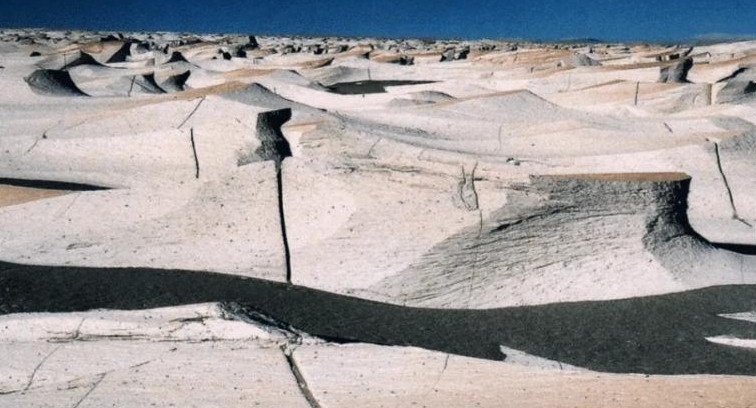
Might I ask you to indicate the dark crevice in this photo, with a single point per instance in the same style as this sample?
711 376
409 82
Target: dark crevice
275 147
196 107
299 378
194 151
735 215
369 86
131 87
282 219
50 185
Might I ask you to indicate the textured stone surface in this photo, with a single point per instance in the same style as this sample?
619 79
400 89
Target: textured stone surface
564 207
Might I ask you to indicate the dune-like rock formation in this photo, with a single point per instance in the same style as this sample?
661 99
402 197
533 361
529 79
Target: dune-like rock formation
564 238
366 222
53 82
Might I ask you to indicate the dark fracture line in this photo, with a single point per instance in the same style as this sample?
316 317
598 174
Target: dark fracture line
131 87
191 113
301 382
39 365
282 219
94 386
194 150
727 186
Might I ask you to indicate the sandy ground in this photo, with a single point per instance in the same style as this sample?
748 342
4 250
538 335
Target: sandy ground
12 195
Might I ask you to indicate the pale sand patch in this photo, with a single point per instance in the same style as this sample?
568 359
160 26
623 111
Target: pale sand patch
13 195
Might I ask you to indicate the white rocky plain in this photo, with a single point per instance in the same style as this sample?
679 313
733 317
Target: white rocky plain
499 174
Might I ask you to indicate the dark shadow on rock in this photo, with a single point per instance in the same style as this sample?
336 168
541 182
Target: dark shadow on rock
369 87
654 335
53 83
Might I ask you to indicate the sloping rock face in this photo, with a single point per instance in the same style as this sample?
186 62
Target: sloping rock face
53 82
571 238
737 90
739 86
582 60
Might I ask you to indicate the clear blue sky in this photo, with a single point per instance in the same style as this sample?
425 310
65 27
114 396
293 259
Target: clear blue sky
533 19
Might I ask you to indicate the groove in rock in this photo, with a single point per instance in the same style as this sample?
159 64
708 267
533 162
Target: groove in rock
37 367
90 390
299 378
194 150
274 146
191 113
282 219
131 87
727 186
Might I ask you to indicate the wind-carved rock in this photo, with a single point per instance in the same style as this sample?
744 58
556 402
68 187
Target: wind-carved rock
569 238
53 82
739 87
677 73
272 143
273 146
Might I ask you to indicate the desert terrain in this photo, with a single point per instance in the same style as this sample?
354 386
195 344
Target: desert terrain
235 220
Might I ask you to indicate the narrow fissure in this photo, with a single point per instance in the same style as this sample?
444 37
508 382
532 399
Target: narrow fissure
91 389
196 107
37 367
282 218
194 150
727 187
275 147
298 377
131 87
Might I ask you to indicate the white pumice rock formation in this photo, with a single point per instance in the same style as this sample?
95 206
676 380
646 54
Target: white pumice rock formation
439 183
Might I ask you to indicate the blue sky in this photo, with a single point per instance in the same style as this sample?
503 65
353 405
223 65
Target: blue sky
666 20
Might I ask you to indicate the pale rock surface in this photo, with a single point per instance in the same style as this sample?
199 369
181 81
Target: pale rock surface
510 174
198 355
375 376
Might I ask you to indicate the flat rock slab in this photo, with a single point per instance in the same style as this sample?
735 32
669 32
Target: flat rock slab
143 374
375 376
229 225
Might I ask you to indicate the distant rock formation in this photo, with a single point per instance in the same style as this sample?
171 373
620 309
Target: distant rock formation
739 87
53 82
582 60
677 73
